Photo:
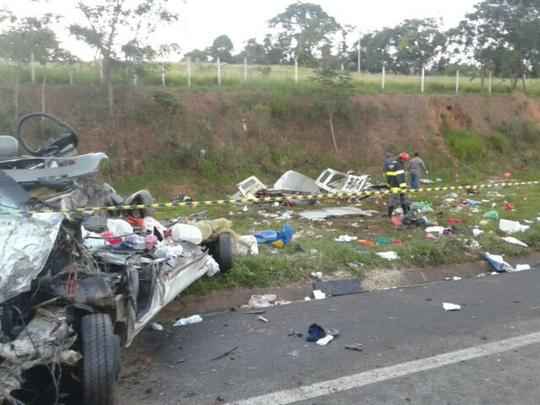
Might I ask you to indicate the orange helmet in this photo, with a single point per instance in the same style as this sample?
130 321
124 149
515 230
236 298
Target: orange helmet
404 156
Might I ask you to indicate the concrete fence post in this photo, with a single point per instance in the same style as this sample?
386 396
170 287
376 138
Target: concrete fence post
457 82
296 70
245 69
101 74
219 71
163 78
189 71
33 68
423 80
383 78
490 83
359 62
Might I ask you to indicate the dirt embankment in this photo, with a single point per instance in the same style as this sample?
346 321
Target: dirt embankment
151 123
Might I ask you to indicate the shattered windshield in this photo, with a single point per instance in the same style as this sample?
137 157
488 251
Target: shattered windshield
12 195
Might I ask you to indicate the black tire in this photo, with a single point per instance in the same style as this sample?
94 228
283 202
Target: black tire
101 360
221 250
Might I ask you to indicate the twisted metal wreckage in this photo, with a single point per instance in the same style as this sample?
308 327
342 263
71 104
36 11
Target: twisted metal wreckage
74 289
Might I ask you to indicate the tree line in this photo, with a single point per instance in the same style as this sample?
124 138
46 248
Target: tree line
501 37
498 36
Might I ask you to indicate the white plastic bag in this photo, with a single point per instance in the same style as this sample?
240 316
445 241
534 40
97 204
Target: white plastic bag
119 227
187 233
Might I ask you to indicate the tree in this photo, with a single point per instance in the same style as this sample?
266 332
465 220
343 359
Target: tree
275 50
376 51
198 56
30 39
254 52
108 22
336 91
418 43
303 29
221 48
504 36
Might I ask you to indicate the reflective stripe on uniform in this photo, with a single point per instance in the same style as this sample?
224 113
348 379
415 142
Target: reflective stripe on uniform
399 172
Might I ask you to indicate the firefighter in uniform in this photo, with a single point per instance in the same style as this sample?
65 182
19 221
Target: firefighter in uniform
394 170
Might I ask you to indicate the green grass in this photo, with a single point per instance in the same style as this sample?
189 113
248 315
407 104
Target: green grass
315 249
276 78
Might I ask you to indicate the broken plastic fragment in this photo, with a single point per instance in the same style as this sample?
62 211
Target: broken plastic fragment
523 267
325 340
319 295
497 263
511 227
188 321
515 241
388 255
262 301
448 306
346 238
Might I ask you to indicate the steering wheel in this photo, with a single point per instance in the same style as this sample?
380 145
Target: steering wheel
70 137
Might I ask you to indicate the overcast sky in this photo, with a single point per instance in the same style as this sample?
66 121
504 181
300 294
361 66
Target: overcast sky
203 20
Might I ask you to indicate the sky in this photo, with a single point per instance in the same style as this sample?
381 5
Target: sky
203 20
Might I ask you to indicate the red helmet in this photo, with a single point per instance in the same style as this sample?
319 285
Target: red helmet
404 156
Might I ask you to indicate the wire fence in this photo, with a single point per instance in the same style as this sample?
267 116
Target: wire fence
221 75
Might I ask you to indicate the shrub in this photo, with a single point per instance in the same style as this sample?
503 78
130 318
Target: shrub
465 145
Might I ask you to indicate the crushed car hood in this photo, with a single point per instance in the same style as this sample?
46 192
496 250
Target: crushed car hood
26 242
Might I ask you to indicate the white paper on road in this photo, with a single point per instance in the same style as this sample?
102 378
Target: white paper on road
448 306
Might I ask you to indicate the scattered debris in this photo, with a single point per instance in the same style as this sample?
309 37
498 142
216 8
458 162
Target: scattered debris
515 241
188 321
157 327
497 263
325 213
346 239
295 333
339 288
334 181
422 207
226 354
261 312
262 319
391 256
315 332
246 246
523 267
292 181
249 187
448 306
511 227
366 243
436 230
492 215
472 244
477 232
268 237
325 340
356 347
317 275
262 301
319 295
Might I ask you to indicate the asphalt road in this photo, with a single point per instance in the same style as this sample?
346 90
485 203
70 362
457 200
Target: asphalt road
413 351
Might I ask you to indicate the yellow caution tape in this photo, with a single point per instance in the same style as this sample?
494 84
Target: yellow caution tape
262 200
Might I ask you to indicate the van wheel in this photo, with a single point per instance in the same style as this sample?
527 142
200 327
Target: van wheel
221 251
101 360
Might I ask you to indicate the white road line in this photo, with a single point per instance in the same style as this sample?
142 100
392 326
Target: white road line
329 387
